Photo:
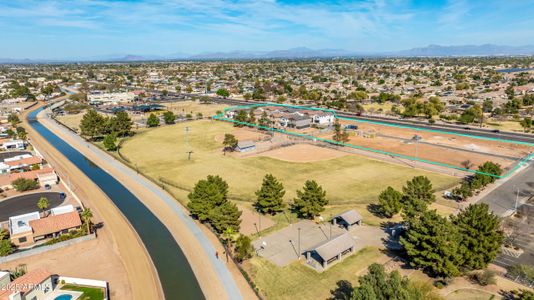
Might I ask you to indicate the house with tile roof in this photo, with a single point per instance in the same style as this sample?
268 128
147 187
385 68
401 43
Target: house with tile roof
28 229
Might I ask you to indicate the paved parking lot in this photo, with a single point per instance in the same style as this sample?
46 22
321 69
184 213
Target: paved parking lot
282 247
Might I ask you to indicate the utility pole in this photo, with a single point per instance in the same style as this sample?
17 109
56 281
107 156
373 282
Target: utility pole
189 155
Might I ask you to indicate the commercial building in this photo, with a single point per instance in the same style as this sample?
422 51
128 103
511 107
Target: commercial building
111 98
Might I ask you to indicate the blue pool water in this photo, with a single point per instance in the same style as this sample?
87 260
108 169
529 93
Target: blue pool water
63 297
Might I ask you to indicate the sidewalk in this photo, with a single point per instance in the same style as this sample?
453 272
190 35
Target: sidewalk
212 274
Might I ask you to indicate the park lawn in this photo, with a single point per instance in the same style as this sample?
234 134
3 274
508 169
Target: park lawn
297 281
375 107
161 154
505 125
194 107
72 121
471 294
89 293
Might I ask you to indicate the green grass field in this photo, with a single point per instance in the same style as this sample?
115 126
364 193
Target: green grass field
471 294
161 154
297 281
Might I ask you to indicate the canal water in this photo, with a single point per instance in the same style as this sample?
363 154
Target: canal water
176 276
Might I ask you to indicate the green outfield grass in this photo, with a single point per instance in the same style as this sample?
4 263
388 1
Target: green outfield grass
297 281
161 154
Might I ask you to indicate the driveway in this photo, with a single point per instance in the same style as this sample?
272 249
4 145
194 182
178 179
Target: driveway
521 186
27 203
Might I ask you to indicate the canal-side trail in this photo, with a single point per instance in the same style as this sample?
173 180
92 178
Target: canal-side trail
117 235
217 279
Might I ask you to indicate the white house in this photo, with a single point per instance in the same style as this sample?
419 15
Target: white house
323 118
14 144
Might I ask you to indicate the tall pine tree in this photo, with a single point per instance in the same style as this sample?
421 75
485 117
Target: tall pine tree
207 195
480 237
270 196
311 200
431 243
390 202
419 188
225 216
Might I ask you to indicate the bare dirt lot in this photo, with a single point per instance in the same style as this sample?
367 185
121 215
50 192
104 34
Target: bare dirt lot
94 259
437 147
303 153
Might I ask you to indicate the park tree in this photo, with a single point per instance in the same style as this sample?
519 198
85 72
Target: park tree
241 117
480 236
526 123
92 124
207 195
463 191
270 196
491 170
152 121
431 243
223 93
377 284
243 248
110 142
225 216
390 201
264 120
311 201
340 135
121 124
169 117
420 187
251 118
472 114
230 142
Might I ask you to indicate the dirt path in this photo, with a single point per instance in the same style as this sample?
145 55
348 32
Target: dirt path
217 279
142 280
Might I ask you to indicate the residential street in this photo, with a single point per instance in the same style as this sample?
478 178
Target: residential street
26 203
521 186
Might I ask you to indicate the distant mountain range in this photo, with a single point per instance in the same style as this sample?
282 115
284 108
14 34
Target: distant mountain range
302 53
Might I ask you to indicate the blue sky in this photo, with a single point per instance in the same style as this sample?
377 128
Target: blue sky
64 29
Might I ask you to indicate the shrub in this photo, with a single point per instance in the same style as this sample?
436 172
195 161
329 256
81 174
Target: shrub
23 184
486 277
243 248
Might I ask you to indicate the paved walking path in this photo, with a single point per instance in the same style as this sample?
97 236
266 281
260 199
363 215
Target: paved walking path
213 275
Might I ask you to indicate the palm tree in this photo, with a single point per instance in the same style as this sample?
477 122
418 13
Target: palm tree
43 204
87 214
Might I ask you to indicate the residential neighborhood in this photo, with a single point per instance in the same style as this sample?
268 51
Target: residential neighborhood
340 150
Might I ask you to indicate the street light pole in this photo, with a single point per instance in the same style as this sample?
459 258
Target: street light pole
299 242
516 200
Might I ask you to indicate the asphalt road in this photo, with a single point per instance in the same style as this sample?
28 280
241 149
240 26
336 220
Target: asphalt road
521 186
459 129
26 204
